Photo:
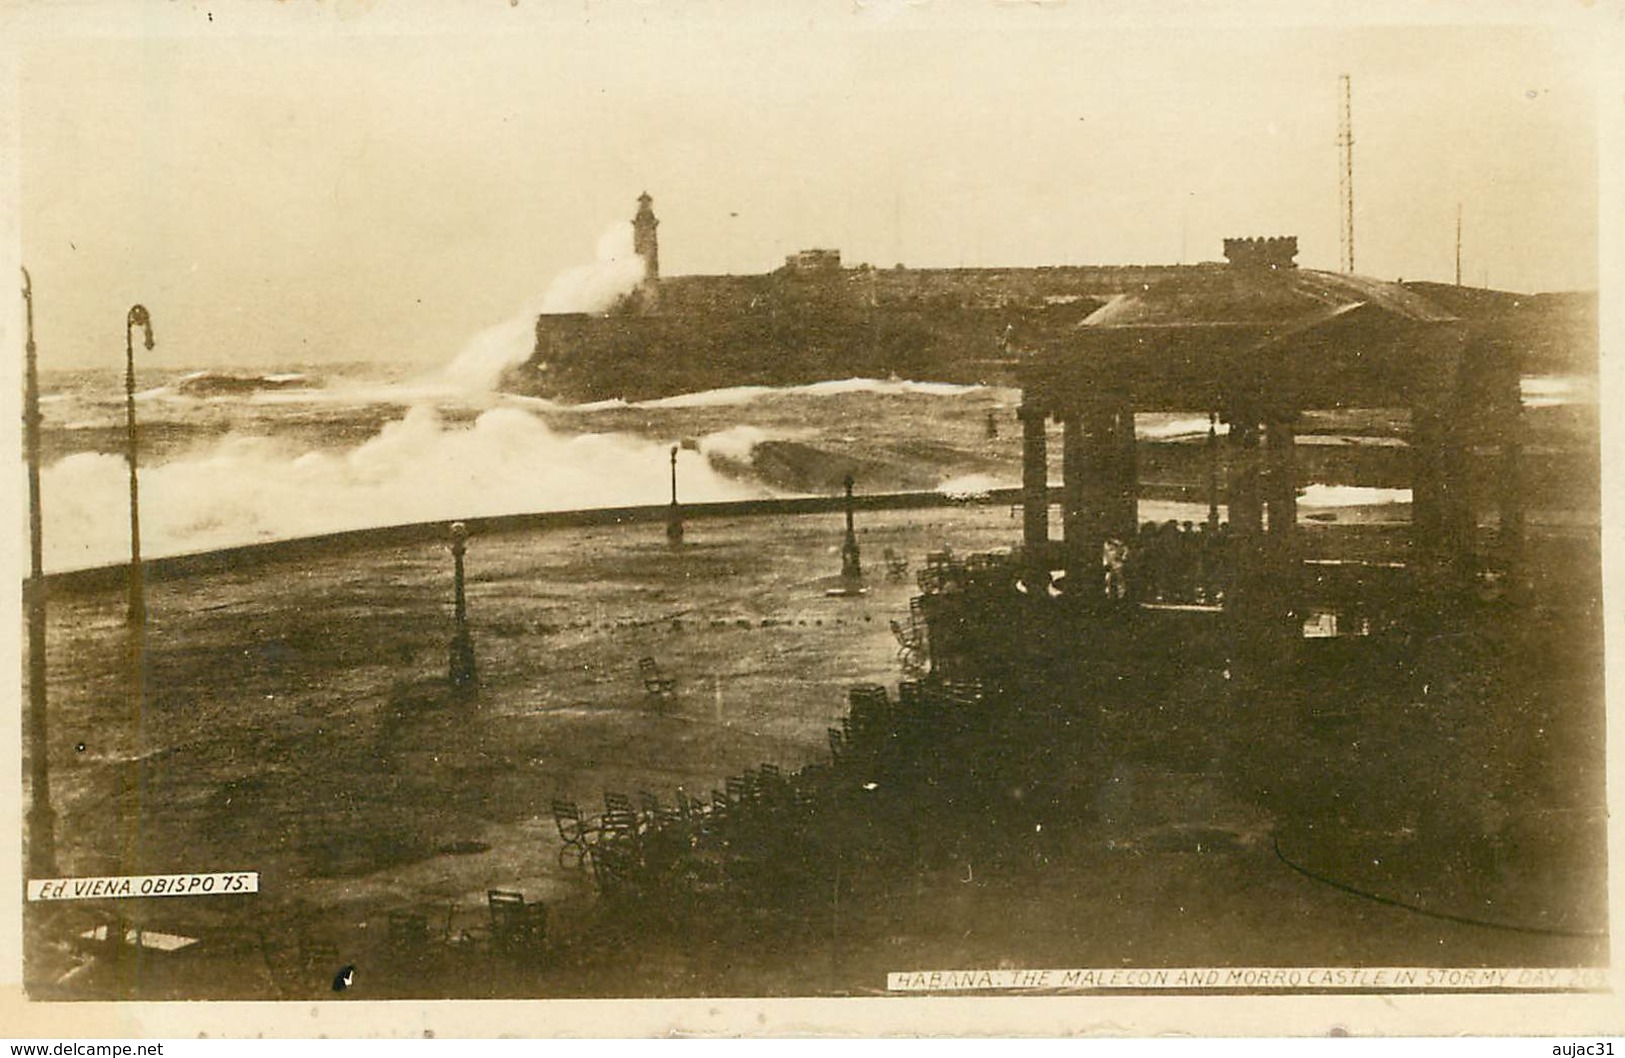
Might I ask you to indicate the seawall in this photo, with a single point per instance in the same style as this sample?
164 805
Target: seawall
250 556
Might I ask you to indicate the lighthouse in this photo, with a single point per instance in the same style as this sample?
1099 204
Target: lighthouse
646 243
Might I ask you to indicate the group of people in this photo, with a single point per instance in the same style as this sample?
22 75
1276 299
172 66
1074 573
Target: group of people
1174 562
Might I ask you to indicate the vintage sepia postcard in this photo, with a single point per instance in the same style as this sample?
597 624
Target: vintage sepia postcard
837 517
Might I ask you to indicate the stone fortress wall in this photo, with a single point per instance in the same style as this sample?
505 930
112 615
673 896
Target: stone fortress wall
817 318
810 319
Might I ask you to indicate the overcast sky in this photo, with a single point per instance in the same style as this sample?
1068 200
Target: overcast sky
339 181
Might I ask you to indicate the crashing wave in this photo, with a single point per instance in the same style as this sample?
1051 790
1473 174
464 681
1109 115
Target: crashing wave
222 384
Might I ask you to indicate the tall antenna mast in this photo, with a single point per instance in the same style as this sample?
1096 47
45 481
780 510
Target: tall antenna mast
1458 244
1345 141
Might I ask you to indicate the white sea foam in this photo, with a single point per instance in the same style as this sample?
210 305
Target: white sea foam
594 287
735 395
245 489
1162 428
1549 391
710 398
971 486
1318 495
735 445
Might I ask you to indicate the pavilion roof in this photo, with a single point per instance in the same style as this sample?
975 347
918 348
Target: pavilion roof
1210 294
1213 336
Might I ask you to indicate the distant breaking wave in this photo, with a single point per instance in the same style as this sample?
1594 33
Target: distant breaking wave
732 396
1317 495
209 384
971 486
222 384
1551 391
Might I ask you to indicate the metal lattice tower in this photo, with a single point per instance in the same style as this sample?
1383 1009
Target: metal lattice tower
1458 244
1345 143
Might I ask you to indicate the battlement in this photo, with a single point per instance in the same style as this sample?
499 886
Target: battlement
817 260
1272 252
816 317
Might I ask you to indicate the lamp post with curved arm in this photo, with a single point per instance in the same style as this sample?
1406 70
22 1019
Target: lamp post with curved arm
137 317
851 562
674 514
461 669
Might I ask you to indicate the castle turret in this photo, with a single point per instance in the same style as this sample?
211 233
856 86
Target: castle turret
1273 253
645 243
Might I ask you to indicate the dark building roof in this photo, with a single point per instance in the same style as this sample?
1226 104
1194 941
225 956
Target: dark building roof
1206 294
1278 337
1554 333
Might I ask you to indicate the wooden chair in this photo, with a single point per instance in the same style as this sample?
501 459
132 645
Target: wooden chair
657 686
408 929
516 927
721 806
896 565
655 814
576 832
911 656
620 820
614 865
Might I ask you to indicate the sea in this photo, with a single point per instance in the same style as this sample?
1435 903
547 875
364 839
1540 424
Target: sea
227 457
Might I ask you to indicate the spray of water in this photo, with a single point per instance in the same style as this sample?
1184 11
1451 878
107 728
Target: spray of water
242 489
594 287
249 489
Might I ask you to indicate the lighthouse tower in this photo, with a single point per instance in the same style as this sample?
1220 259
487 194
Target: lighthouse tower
645 243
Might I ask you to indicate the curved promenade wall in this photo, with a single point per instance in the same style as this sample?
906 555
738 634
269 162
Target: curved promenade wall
326 545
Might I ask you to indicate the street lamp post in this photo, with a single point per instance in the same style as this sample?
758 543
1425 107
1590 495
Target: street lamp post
674 515
1212 470
851 565
137 317
41 817
462 646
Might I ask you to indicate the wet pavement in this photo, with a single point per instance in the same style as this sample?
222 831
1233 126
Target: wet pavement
297 722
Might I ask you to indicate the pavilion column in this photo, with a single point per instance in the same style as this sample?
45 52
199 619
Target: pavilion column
1426 483
1283 483
1073 473
1280 581
1080 524
1459 516
1246 506
1212 471
1246 515
1444 523
1034 480
1100 479
1126 516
